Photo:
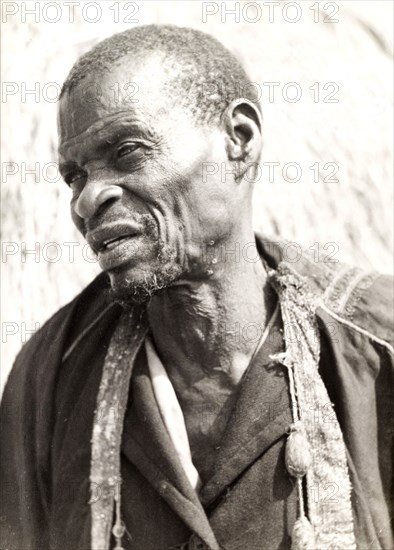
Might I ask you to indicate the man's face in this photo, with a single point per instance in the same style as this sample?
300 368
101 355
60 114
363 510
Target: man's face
140 192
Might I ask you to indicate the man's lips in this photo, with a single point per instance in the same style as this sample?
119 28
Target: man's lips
109 235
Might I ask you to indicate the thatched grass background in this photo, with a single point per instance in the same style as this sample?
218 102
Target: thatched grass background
355 133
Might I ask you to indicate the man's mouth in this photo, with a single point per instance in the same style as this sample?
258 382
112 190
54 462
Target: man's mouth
113 243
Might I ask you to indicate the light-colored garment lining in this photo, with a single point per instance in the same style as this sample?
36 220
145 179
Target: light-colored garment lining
170 408
171 412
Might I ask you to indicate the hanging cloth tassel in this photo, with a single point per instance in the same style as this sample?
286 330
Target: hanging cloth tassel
298 460
298 456
297 452
303 537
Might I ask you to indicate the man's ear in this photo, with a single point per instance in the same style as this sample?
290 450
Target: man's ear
243 126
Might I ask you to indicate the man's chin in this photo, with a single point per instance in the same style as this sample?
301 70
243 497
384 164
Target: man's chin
129 289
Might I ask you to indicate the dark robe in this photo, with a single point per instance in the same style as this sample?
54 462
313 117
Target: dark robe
249 501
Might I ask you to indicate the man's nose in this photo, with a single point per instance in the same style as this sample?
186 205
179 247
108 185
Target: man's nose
99 189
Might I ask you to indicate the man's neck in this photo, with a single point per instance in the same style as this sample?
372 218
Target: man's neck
209 327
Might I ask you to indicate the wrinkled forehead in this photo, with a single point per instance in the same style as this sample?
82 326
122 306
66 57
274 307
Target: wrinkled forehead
138 87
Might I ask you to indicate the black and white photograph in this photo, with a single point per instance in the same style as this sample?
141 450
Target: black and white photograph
197 213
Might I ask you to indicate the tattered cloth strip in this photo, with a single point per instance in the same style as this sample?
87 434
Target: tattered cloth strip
327 479
108 428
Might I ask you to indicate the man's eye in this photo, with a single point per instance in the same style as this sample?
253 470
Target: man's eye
72 177
126 149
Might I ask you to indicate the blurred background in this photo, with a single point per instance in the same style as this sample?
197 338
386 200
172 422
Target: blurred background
325 74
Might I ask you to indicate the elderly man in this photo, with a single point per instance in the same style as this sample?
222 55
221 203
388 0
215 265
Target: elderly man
203 392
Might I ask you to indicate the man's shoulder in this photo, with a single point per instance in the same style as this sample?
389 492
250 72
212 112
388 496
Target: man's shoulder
371 306
361 299
86 306
46 347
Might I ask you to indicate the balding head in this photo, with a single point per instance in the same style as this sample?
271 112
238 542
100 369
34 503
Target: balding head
201 74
